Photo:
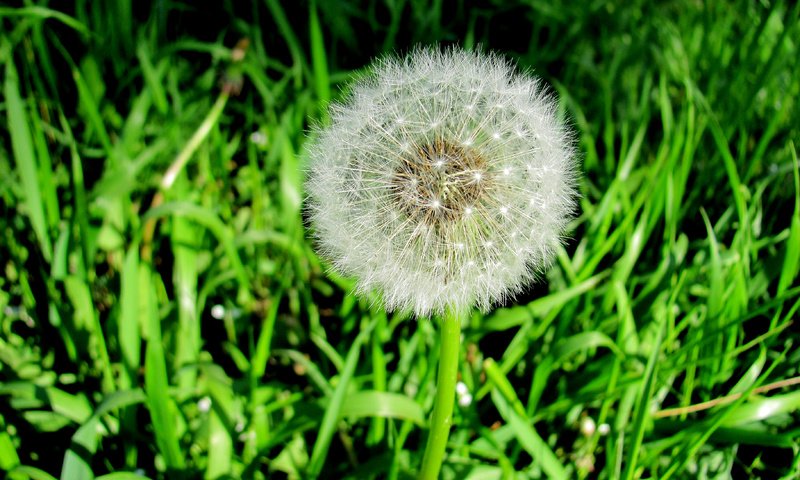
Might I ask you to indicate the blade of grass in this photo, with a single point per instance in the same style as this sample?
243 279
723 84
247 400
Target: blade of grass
704 430
286 31
319 61
8 453
791 262
372 403
153 78
513 412
86 101
46 178
77 461
22 146
159 401
379 379
210 220
186 239
129 339
123 476
263 350
44 13
333 413
643 402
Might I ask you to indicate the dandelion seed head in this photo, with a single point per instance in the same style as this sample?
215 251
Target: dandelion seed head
444 181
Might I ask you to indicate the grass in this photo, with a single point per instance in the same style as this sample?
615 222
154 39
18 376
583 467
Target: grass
164 315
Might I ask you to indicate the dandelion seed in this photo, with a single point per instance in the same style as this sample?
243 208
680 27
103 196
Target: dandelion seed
386 203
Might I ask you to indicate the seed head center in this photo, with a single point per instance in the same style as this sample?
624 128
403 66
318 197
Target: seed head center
438 182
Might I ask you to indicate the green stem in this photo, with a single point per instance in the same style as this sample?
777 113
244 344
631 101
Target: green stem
442 416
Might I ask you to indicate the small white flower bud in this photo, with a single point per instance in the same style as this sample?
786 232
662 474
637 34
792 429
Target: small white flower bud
461 389
588 426
218 312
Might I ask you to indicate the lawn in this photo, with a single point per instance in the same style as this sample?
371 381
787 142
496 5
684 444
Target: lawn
164 313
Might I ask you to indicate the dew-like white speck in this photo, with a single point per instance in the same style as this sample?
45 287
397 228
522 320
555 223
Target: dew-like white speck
462 388
204 404
218 312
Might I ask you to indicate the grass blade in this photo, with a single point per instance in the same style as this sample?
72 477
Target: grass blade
22 146
159 402
334 411
513 412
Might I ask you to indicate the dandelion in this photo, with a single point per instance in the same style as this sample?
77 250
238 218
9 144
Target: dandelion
444 182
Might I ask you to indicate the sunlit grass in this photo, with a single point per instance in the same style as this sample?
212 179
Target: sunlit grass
181 326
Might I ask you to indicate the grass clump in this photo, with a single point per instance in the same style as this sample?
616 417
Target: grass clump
163 312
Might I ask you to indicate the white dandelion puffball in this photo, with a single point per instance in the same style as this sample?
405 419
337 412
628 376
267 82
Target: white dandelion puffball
443 181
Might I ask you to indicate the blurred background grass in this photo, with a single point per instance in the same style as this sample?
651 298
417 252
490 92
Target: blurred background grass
163 313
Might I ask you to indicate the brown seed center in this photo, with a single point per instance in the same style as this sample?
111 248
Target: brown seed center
439 182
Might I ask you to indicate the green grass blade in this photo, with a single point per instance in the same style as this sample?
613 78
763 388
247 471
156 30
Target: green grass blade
123 476
8 453
44 13
24 472
319 57
791 262
287 32
47 180
372 403
530 440
23 148
333 413
128 323
159 401
76 465
186 239
513 412
210 220
643 402
154 78
264 344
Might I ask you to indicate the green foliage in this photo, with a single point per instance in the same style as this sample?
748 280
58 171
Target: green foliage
163 314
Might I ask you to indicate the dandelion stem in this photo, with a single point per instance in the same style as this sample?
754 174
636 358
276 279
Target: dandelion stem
442 416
